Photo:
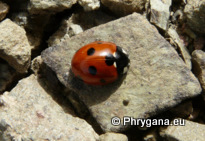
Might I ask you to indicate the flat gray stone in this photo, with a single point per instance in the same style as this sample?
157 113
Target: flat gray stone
192 131
29 112
158 78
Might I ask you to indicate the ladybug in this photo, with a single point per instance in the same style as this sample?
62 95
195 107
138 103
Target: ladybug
100 63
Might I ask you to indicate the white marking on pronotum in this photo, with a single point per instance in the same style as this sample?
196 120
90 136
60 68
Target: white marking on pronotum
115 65
128 64
124 51
114 54
125 69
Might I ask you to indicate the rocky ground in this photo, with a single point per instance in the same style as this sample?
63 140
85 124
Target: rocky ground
40 100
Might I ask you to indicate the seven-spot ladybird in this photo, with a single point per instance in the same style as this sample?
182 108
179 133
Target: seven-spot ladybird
100 63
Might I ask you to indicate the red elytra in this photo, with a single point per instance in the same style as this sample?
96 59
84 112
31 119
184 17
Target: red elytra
99 63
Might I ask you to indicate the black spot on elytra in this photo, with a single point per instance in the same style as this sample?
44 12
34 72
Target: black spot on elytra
102 80
92 70
90 51
109 59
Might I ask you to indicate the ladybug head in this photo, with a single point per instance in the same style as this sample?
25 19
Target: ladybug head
122 61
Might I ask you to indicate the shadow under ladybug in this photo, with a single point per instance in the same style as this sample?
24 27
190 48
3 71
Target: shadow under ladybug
93 93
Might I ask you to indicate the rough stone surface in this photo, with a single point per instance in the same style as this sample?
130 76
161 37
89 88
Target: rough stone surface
14 46
113 137
89 5
180 46
177 16
158 77
198 59
36 64
29 112
190 132
21 18
125 7
183 110
76 24
34 25
160 12
195 15
49 6
91 19
67 30
7 74
4 9
199 43
152 135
